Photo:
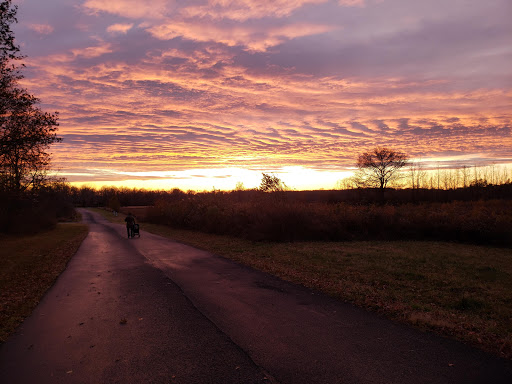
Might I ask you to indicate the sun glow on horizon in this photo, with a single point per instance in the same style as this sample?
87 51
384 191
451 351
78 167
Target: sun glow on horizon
296 178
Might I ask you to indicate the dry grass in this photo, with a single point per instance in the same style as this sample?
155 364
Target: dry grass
457 290
29 265
275 217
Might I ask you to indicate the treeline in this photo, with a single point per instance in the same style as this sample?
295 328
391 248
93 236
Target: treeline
40 208
35 210
115 198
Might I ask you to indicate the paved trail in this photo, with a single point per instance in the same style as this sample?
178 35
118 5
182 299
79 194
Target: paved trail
149 310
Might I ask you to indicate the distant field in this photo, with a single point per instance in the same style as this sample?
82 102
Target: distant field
29 265
458 290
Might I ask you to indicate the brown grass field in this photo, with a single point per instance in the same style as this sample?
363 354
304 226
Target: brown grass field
462 291
29 265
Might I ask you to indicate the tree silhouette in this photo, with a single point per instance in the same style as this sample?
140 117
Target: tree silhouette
26 132
271 183
9 54
378 167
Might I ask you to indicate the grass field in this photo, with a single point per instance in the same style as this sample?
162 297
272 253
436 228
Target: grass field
457 290
29 265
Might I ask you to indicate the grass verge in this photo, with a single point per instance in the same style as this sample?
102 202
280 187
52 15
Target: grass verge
457 290
29 265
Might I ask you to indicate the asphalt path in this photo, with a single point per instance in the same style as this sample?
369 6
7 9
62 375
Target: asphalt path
150 310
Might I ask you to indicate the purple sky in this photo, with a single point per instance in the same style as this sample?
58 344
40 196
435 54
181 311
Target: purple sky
202 93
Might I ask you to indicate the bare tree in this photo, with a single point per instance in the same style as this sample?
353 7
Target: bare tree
346 183
417 174
380 166
465 176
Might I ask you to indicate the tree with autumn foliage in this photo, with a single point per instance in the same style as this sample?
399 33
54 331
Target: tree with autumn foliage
26 132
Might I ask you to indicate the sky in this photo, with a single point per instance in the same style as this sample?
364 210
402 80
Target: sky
202 94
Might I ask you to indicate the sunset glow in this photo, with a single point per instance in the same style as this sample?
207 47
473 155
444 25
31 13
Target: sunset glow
210 93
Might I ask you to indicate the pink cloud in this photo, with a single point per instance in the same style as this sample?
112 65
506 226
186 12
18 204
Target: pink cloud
134 9
242 10
42 29
91 52
352 3
119 28
254 38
